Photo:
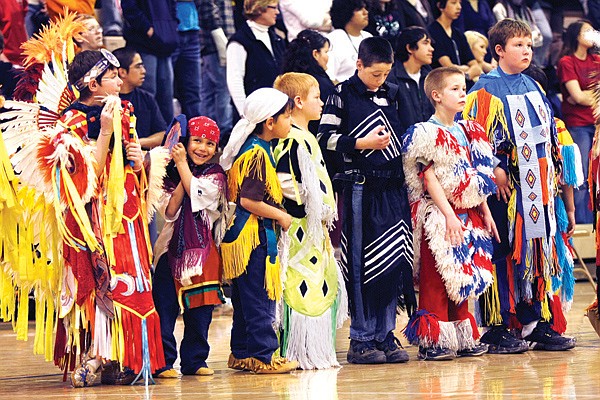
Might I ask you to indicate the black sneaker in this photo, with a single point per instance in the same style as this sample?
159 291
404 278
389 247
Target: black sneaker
113 375
500 341
365 353
544 337
477 350
391 346
435 353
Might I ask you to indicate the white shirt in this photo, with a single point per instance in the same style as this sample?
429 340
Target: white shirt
343 54
304 14
236 64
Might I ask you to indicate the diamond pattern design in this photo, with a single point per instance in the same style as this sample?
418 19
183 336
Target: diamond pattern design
542 113
526 152
520 118
325 289
532 196
303 288
530 178
524 135
534 213
323 187
313 260
300 233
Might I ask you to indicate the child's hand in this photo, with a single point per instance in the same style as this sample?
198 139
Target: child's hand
179 154
134 153
502 183
571 224
454 230
376 139
285 221
106 117
490 225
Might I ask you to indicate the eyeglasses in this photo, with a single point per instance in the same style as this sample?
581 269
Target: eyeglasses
272 7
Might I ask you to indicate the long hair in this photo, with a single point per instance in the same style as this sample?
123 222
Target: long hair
571 36
299 54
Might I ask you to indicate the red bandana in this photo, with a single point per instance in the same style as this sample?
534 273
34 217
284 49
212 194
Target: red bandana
204 127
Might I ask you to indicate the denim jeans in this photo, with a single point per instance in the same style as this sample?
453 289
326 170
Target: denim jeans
194 345
364 327
541 54
186 67
252 332
583 136
159 82
216 102
111 18
30 26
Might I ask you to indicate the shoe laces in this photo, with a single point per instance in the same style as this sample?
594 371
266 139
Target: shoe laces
391 342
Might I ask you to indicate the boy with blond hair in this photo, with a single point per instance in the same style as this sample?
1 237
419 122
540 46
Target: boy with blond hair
448 167
314 294
518 120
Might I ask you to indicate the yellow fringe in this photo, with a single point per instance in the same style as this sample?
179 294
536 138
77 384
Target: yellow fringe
235 255
489 112
546 314
255 160
273 284
493 301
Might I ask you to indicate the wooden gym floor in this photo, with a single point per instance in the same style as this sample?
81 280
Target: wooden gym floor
573 374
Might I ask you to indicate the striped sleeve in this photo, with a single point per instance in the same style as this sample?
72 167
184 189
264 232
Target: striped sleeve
332 135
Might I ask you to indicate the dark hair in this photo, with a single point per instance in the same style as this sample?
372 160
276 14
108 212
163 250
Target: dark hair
538 75
288 106
409 37
125 56
374 50
505 29
374 7
80 65
342 11
299 54
438 6
571 36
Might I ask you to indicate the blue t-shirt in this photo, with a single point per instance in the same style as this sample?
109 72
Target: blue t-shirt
149 119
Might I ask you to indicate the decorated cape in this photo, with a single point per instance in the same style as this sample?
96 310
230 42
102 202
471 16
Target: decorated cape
255 157
519 124
314 295
466 175
193 257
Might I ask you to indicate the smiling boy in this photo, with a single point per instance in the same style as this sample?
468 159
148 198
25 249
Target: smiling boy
519 123
361 120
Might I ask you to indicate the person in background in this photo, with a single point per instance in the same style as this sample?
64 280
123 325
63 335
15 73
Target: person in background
386 20
475 15
578 74
299 15
8 73
91 38
414 55
451 46
151 29
12 26
216 27
349 18
254 52
479 46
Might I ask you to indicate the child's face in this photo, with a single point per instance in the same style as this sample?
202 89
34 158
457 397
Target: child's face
312 104
424 52
322 55
582 39
110 84
479 50
282 125
452 9
373 76
452 97
136 74
516 55
360 18
200 150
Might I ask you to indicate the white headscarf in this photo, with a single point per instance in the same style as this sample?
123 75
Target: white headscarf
260 105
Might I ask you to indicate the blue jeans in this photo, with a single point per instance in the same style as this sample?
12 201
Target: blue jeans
111 18
216 102
186 67
252 332
583 136
30 26
159 82
194 345
364 327
541 54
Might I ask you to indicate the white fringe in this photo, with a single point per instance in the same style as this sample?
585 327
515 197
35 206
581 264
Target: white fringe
159 158
448 338
283 251
464 334
310 341
342 299
102 335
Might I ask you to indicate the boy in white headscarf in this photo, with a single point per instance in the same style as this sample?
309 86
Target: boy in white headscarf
249 248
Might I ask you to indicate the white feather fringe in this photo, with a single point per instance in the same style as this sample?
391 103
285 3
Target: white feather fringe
464 334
